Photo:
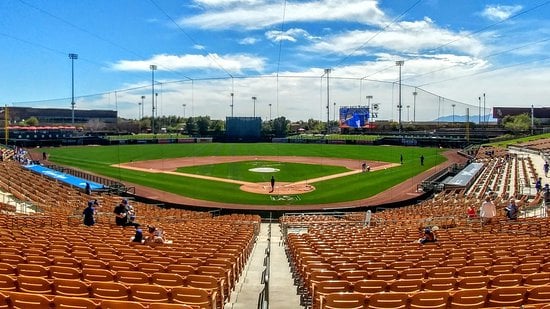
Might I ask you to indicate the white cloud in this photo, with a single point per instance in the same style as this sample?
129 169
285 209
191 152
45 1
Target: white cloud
233 63
291 35
199 47
500 12
248 41
402 37
225 16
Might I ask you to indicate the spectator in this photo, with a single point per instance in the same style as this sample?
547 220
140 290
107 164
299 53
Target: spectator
546 192
429 236
488 211
546 167
155 235
88 189
138 237
124 214
471 212
538 185
89 213
512 210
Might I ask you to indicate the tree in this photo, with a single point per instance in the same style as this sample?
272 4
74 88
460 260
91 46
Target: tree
203 123
280 126
190 126
32 121
95 125
517 123
216 126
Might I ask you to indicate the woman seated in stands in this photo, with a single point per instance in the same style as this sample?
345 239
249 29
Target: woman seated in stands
155 235
429 236
512 210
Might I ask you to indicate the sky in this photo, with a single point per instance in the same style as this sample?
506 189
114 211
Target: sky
300 59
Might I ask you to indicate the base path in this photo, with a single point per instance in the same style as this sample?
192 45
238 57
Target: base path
403 191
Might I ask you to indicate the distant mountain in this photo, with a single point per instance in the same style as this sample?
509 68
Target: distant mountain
463 118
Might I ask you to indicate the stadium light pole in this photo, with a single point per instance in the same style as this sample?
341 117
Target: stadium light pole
479 111
369 97
414 105
184 105
399 63
453 106
269 111
73 57
232 96
334 113
153 68
139 117
254 101
327 72
408 113
142 106
484 111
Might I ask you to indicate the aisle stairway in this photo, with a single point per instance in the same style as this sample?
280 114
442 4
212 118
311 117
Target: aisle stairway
282 293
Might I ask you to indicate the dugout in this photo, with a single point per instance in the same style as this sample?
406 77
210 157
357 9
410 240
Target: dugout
243 129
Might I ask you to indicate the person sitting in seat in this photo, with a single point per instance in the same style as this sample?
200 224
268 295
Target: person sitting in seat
429 236
155 235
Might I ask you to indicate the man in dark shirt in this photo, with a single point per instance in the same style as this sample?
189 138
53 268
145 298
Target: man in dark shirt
121 214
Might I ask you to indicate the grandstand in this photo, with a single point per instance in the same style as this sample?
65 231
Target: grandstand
48 259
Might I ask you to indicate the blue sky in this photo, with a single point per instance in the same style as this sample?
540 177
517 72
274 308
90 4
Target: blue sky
453 52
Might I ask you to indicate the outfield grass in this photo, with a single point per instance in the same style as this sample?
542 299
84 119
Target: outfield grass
99 160
288 172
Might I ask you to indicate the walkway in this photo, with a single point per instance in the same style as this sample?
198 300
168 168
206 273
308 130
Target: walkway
282 291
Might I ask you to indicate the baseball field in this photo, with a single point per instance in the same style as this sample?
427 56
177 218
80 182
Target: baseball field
305 174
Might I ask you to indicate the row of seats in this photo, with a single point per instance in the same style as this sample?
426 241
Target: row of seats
200 296
18 300
535 298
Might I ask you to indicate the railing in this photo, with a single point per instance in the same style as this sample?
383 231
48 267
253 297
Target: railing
263 298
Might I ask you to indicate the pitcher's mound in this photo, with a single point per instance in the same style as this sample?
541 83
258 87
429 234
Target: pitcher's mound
280 188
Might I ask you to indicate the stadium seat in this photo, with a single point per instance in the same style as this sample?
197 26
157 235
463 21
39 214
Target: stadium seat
343 300
120 304
167 279
507 296
194 297
132 277
20 300
539 295
71 287
62 302
109 290
406 285
466 299
388 300
429 299
149 293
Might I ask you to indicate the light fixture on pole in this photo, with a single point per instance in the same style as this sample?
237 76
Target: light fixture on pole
399 63
369 97
254 100
408 113
269 111
232 95
153 68
414 105
73 57
327 72
453 106
184 105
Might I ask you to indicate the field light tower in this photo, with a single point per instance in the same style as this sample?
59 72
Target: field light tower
232 96
254 100
369 97
400 63
73 57
142 105
153 68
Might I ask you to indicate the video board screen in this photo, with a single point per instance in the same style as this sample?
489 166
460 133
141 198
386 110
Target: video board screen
354 117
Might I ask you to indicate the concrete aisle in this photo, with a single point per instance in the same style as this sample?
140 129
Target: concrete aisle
282 293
